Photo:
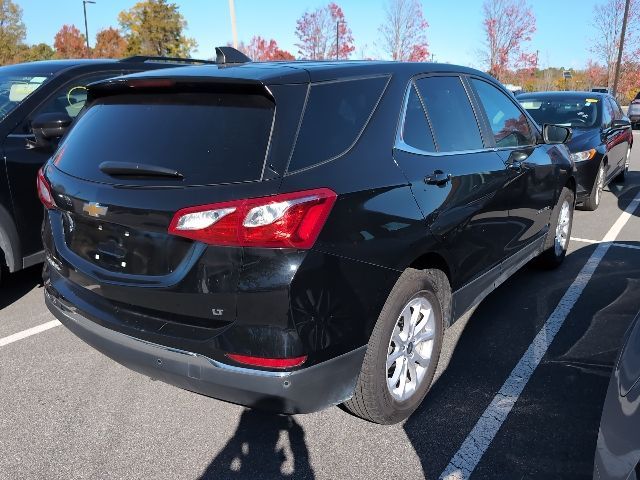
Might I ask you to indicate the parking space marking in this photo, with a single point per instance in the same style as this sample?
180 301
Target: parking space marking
584 240
29 332
465 460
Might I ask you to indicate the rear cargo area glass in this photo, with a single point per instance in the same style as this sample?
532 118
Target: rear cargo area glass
207 138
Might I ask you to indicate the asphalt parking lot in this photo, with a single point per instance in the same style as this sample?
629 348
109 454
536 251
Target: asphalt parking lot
68 412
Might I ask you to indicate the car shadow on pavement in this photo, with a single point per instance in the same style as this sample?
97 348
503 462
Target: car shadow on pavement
264 445
16 285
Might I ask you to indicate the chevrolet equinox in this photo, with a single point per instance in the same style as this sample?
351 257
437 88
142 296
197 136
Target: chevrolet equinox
290 236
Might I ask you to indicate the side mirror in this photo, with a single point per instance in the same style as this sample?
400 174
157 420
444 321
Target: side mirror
555 134
48 128
621 123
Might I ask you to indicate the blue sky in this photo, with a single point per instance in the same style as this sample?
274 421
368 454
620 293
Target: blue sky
563 37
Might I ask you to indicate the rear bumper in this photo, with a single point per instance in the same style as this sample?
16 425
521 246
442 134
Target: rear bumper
301 391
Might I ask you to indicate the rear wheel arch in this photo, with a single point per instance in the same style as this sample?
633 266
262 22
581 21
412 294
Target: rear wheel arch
434 261
9 242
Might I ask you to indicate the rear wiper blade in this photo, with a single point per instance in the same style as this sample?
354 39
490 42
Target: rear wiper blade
138 170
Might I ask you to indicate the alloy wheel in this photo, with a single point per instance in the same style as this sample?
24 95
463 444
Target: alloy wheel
562 228
410 348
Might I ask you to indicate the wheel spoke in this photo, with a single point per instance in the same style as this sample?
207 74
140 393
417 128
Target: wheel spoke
426 316
421 360
391 359
403 378
424 336
413 371
396 375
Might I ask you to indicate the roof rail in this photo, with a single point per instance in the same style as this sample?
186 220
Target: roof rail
148 58
229 55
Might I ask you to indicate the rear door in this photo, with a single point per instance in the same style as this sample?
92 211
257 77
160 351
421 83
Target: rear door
620 136
532 176
456 180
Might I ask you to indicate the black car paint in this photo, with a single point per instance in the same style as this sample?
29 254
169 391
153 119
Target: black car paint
610 142
323 302
21 212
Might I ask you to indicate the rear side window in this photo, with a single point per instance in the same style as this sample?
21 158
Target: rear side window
454 124
208 138
509 125
415 130
335 116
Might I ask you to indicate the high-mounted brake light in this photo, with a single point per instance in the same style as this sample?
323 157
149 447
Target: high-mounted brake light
289 220
268 362
44 191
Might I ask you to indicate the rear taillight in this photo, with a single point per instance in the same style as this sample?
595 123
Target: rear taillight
289 220
268 362
44 191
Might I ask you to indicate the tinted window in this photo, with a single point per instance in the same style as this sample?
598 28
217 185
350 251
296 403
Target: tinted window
415 130
15 88
616 111
335 115
509 125
71 98
209 139
607 114
452 119
570 110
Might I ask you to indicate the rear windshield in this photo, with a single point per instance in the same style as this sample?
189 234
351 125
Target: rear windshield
208 139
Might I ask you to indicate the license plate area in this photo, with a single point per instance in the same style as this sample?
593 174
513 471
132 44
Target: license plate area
118 248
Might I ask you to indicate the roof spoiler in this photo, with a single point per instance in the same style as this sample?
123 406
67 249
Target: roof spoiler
228 55
224 56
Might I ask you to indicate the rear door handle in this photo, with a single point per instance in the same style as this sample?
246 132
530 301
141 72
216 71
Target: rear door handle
438 178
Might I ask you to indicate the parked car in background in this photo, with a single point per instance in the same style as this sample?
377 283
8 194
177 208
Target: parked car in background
618 447
634 111
297 260
31 94
602 137
600 90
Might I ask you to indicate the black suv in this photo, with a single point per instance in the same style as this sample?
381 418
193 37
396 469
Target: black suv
291 236
31 95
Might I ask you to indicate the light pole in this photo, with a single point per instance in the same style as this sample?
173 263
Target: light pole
616 75
86 28
234 31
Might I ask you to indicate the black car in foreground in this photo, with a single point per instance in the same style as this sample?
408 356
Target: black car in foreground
31 94
602 136
290 236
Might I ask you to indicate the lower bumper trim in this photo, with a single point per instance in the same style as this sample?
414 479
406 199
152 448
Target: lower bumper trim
301 391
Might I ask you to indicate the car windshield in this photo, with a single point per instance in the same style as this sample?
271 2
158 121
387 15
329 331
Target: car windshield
570 111
15 88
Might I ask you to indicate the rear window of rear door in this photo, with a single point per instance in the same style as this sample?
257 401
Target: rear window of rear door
452 118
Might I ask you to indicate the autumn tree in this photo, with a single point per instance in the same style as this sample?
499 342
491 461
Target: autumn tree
608 17
596 75
109 44
262 50
403 32
155 27
507 25
12 31
324 34
40 51
70 43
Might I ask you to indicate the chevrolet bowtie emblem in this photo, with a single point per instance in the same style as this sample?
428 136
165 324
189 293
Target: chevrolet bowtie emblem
95 209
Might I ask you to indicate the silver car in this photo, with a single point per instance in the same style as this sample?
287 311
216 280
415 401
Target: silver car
618 450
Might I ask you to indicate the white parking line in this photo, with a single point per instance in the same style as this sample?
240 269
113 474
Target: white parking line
584 240
27 333
475 445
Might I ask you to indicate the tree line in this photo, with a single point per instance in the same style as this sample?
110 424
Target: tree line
156 28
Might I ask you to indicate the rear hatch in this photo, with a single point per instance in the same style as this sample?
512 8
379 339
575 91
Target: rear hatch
138 154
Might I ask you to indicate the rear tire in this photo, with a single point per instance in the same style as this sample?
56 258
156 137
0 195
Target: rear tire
622 176
592 202
404 348
557 242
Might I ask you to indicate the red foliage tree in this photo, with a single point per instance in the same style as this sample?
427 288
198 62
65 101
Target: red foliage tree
109 44
596 74
70 43
320 30
404 31
507 24
262 50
